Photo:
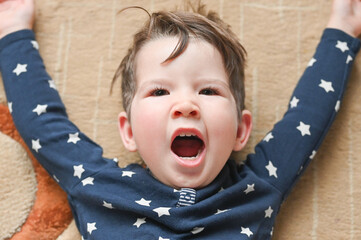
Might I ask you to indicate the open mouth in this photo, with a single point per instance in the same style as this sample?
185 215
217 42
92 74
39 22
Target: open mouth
187 146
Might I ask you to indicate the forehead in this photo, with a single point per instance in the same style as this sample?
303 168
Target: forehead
199 58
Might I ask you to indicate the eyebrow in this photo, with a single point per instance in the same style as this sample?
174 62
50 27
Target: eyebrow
215 81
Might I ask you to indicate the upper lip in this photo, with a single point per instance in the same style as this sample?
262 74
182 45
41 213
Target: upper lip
187 132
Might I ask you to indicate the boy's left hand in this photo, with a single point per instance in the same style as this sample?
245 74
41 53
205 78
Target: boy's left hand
346 16
16 15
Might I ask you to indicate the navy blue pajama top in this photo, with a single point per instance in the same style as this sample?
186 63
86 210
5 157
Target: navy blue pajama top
109 202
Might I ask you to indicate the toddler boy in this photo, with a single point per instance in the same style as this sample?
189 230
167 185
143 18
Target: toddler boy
182 84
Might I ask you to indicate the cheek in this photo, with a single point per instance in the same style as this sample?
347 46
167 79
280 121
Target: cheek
223 122
148 128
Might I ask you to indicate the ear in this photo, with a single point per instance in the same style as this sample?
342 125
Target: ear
244 130
126 132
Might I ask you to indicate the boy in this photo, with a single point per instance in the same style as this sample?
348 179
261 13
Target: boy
184 115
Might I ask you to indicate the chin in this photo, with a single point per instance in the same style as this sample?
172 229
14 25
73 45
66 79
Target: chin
188 182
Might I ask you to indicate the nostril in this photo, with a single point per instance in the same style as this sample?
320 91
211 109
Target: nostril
193 113
177 113
185 109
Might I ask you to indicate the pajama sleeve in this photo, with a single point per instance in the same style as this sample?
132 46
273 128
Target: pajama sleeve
287 149
40 115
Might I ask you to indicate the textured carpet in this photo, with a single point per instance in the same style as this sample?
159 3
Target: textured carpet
83 41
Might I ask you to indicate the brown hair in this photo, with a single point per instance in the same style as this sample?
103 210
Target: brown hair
185 24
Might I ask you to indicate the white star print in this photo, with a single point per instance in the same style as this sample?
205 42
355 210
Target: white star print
175 190
294 102
162 211
73 138
160 238
268 137
20 68
40 109
221 211
247 231
327 86
115 160
250 188
300 170
197 230
52 84
35 145
313 154
88 181
271 169
91 227
107 205
338 105
78 170
349 59
127 174
35 44
55 178
342 46
311 62
268 212
10 106
139 222
143 202
304 129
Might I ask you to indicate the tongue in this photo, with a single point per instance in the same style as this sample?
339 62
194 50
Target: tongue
186 146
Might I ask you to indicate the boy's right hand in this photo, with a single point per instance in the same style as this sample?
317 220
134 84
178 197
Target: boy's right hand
16 15
346 16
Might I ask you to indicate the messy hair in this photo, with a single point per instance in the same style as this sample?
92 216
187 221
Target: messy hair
196 23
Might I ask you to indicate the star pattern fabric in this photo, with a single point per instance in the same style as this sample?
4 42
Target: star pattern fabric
129 203
272 170
294 102
78 170
327 86
342 46
73 138
35 145
304 129
162 211
250 188
247 231
40 109
139 222
144 202
91 227
20 68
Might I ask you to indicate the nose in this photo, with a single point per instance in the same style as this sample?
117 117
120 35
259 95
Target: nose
185 109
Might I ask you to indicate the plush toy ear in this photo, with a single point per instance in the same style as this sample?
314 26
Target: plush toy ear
243 131
126 132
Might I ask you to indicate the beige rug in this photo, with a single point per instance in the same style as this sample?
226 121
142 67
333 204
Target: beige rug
83 41
18 186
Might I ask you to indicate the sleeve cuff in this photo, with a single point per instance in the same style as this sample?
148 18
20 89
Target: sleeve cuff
352 43
16 36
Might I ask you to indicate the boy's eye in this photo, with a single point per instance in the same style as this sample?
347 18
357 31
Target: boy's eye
209 91
159 92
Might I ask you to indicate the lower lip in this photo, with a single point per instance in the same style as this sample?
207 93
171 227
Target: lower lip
191 163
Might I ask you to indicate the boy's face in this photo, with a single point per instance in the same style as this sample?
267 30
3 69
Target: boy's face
184 120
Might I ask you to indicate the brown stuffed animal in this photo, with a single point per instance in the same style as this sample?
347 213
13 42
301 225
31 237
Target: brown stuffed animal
50 214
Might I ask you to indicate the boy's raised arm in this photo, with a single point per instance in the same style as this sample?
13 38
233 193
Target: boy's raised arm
287 149
36 107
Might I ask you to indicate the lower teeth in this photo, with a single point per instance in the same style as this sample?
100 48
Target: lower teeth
189 158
